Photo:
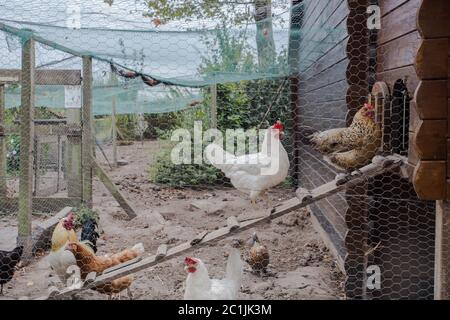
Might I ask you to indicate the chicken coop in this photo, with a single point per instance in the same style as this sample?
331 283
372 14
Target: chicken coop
358 89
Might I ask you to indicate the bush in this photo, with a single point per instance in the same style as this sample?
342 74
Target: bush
83 213
183 175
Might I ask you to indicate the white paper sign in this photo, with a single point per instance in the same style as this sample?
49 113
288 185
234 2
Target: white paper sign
72 97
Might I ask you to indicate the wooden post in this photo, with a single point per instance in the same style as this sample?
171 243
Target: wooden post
442 251
87 132
294 86
26 148
214 106
114 130
2 143
73 156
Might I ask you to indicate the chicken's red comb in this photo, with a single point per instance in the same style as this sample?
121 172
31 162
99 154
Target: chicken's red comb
70 216
189 260
278 125
369 106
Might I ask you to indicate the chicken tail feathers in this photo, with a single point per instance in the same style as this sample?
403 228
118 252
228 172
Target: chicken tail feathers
235 268
219 158
89 234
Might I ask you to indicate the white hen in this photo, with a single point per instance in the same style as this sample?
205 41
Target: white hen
200 287
254 173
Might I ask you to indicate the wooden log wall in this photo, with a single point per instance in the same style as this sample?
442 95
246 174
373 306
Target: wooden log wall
431 101
322 89
431 140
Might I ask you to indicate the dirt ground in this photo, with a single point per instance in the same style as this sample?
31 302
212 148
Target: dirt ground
301 267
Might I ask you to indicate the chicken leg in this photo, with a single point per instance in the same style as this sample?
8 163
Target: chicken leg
267 198
129 293
1 289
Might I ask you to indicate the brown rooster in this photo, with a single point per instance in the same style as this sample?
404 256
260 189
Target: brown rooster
88 262
258 257
352 147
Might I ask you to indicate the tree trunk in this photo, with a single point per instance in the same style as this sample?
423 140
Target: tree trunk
265 42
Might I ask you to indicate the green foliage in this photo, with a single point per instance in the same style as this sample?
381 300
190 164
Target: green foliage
127 126
13 153
83 213
183 175
159 125
233 12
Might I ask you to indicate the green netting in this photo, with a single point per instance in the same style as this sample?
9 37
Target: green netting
129 99
183 56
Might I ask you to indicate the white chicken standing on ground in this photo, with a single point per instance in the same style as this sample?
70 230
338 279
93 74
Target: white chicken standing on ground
251 173
200 287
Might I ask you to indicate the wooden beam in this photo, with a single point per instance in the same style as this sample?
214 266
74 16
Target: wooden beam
26 147
430 140
430 99
73 155
442 251
43 77
101 174
432 59
87 134
433 19
429 180
3 166
114 130
296 23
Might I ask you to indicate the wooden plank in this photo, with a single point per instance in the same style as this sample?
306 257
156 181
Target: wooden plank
161 252
335 91
330 58
325 236
398 22
232 223
429 180
329 76
114 130
433 19
431 99
398 53
88 132
432 59
3 166
430 140
113 190
198 238
26 148
442 252
73 155
388 6
44 77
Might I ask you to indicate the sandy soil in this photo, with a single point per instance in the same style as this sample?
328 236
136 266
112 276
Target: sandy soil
301 266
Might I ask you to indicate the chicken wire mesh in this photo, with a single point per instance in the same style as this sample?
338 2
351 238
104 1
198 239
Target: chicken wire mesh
147 82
